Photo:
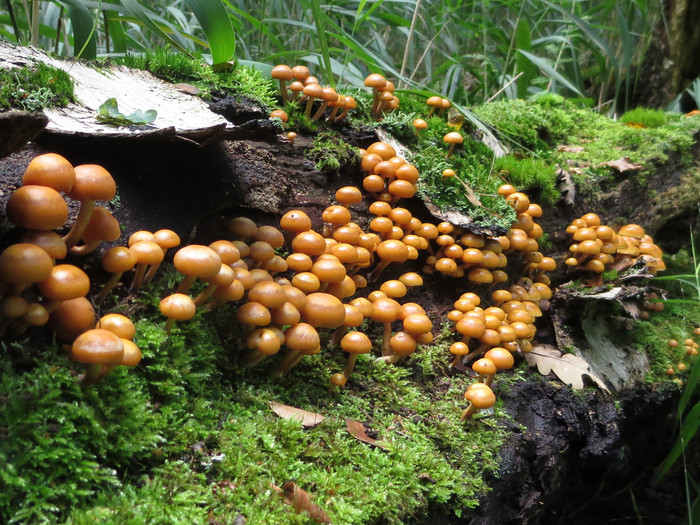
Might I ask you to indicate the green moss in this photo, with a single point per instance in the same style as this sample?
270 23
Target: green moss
187 436
645 117
176 67
676 321
35 87
329 153
473 163
529 173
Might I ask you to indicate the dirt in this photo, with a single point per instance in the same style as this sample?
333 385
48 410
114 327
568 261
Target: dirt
570 457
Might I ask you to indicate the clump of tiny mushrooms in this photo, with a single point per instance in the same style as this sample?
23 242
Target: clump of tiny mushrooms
296 289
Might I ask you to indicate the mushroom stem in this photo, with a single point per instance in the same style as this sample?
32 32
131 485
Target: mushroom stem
81 222
92 375
375 102
109 285
283 90
206 294
342 115
106 370
290 360
186 283
337 336
252 358
151 272
84 249
169 324
350 365
386 348
320 111
469 412
138 277
449 151
378 270
309 103
390 359
430 113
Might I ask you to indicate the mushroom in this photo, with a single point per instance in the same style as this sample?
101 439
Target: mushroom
101 227
65 282
261 343
22 265
312 91
486 370
36 315
37 208
118 324
97 348
480 396
452 138
354 343
52 170
195 261
72 318
350 103
49 241
329 95
147 253
283 74
116 261
177 307
92 182
389 251
377 82
301 339
385 311
166 239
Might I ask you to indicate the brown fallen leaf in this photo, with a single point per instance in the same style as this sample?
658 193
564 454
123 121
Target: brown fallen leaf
565 184
567 367
357 430
301 501
622 165
308 419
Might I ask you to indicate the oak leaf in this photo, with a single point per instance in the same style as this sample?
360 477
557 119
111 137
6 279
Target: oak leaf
622 164
569 368
308 419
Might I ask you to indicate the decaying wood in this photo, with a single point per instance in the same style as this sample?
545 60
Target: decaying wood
179 115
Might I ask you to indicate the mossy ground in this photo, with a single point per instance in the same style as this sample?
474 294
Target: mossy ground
188 436
34 88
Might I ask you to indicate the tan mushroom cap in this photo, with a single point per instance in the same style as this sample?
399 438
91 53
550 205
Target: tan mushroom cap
118 260
24 263
132 353
117 324
303 338
72 318
282 72
37 208
49 241
268 293
52 170
323 310
295 221
480 395
65 282
375 81
356 343
178 306
98 346
453 137
198 260
242 228
92 183
102 226
166 239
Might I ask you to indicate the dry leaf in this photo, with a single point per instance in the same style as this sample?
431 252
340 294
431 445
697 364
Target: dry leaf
568 367
565 184
308 419
301 501
622 164
569 149
357 430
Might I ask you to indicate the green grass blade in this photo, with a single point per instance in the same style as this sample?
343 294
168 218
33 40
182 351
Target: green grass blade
523 41
320 33
689 389
216 24
691 424
545 66
148 19
84 39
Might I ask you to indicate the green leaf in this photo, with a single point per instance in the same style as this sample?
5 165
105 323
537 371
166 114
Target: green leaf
522 64
148 19
110 114
84 40
216 24
690 425
548 69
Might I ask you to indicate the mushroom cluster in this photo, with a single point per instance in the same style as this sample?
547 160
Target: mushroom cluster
306 90
598 247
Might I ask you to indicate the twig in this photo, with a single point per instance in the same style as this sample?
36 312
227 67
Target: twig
516 77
